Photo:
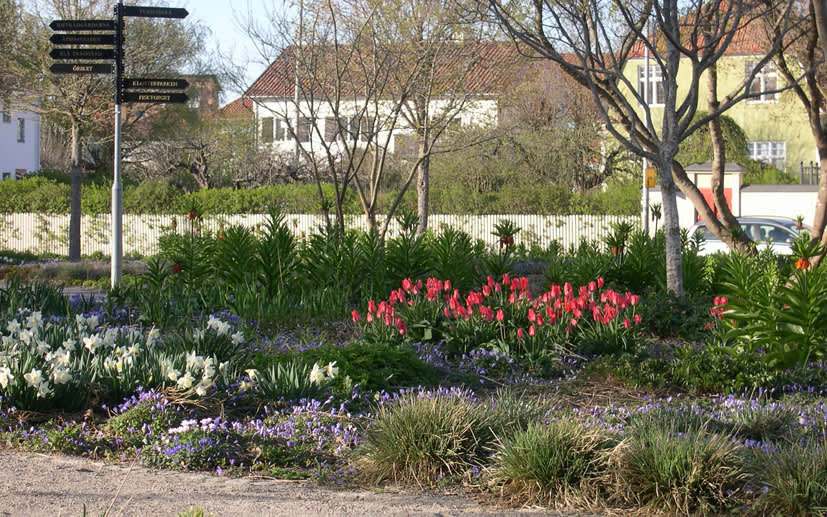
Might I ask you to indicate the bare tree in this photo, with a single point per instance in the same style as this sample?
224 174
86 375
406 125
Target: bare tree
804 51
593 41
332 100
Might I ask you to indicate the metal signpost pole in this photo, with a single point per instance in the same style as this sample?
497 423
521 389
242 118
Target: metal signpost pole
117 187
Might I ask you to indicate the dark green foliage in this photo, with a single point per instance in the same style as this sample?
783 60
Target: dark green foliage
373 366
36 297
698 147
781 316
49 193
455 257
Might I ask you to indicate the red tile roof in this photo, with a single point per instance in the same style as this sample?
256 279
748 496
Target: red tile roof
749 39
239 108
482 68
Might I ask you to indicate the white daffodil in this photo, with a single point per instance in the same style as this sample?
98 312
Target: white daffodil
69 344
186 381
222 367
194 361
43 390
61 375
34 320
5 376
246 386
61 357
173 374
202 387
93 322
13 326
42 347
331 369
109 337
25 336
209 368
238 338
80 321
33 378
92 342
251 372
316 374
109 363
7 341
154 334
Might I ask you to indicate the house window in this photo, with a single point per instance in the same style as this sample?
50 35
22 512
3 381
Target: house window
194 101
762 86
366 129
281 130
21 130
331 129
773 153
6 115
267 130
6 175
305 127
655 94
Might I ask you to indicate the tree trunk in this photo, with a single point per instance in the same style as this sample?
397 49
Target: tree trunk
76 178
672 231
716 136
423 186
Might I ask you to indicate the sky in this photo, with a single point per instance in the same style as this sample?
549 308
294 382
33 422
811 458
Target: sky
224 18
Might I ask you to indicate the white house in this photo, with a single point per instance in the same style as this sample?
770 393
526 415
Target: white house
19 142
325 121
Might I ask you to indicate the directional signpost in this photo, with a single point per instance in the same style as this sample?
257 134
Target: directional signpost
83 39
166 98
153 12
82 53
82 25
81 68
105 37
156 84
147 91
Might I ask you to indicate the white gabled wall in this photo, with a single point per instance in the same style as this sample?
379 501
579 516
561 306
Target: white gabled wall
479 112
18 157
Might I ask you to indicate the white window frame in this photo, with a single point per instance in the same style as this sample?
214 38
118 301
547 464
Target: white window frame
765 80
655 79
772 152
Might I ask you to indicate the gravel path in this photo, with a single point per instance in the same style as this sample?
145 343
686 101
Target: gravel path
33 484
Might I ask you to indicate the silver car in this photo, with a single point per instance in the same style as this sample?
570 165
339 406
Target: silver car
777 233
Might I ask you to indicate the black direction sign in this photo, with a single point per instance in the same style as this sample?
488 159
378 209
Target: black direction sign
83 25
82 53
154 12
164 98
156 84
81 68
83 39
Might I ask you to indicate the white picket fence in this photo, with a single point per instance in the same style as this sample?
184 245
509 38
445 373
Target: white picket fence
44 233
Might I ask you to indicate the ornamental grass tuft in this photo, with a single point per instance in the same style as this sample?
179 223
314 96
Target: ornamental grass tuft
557 464
794 480
667 467
423 437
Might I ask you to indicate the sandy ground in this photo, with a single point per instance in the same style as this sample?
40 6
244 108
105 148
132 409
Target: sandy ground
33 484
